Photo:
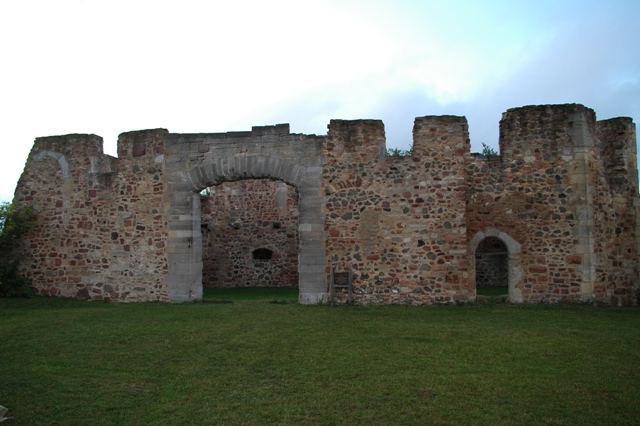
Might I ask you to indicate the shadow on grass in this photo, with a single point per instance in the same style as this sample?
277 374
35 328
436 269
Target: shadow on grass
274 295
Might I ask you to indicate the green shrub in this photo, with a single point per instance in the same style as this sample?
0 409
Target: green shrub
397 152
14 223
489 152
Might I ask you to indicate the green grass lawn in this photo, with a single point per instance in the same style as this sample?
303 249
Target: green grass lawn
230 295
255 362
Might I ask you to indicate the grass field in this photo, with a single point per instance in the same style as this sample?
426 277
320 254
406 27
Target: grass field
256 357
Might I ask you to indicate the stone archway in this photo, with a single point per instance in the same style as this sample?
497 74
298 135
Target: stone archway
185 237
514 249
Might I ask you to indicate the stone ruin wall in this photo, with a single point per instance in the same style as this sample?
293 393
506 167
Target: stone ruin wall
562 195
616 212
101 228
550 191
399 223
246 215
530 194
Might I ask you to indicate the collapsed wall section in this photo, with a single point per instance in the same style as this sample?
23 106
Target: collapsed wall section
398 223
100 228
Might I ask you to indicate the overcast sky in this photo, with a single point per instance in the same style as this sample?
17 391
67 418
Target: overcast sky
105 67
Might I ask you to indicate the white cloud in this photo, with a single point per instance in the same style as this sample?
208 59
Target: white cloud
107 67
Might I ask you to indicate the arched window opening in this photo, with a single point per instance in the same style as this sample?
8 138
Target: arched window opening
492 267
262 254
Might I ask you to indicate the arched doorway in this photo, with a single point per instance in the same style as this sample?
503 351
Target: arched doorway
492 251
185 231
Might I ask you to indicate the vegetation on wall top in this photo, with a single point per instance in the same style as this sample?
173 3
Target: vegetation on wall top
398 152
489 152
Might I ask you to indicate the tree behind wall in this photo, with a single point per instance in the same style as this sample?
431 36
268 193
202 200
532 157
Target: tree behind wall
14 223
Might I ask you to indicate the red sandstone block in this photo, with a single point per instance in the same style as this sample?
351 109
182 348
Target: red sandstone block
538 269
574 260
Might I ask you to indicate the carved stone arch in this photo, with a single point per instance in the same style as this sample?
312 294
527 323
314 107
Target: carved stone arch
514 250
64 170
60 158
185 237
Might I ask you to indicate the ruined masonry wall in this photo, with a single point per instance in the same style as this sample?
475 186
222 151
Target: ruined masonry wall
399 223
550 191
101 225
528 194
616 212
562 196
242 216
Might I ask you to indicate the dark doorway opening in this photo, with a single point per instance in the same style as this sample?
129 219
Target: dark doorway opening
492 267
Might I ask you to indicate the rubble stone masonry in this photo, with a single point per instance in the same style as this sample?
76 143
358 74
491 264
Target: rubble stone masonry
562 198
241 217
